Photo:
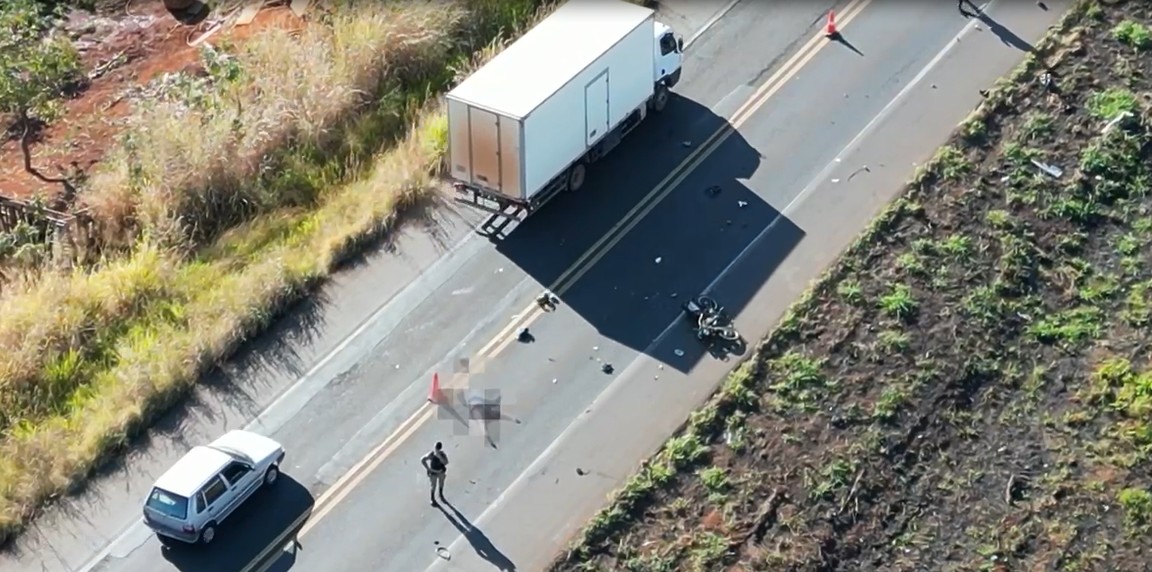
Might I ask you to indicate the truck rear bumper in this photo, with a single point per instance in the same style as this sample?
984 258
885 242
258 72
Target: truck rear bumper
490 202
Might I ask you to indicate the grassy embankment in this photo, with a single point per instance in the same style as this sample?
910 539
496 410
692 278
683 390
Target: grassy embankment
970 386
228 198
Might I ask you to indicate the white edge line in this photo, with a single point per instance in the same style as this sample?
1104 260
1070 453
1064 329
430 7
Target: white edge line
364 326
711 22
137 524
412 397
881 116
629 371
350 338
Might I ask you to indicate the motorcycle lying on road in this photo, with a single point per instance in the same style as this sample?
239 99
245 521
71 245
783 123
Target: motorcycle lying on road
711 323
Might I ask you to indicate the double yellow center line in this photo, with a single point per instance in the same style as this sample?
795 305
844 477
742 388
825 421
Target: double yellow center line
629 221
339 490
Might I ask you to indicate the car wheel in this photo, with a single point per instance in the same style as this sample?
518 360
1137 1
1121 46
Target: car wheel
271 475
208 534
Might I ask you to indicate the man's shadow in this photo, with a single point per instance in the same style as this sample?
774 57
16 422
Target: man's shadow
1007 36
477 539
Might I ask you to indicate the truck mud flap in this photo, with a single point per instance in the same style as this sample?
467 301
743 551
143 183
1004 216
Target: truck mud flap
503 214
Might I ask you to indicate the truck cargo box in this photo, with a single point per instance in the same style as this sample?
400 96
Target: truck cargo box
537 107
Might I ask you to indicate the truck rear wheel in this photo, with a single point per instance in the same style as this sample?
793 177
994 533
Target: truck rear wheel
576 176
660 99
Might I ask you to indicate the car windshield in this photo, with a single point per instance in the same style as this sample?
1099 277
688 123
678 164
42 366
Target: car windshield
169 504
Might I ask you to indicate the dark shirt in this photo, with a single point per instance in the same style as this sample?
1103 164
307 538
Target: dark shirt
437 461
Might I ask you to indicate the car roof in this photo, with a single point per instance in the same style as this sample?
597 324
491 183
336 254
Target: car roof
193 470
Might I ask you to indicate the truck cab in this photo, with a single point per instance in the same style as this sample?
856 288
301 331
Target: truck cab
669 55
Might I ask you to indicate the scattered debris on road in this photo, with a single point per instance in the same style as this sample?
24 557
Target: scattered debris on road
441 551
863 169
548 301
797 465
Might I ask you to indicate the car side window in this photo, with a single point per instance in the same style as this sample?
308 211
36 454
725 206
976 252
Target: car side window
236 471
199 503
667 44
214 490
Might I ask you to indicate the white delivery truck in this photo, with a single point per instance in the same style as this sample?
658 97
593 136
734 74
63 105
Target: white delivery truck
523 127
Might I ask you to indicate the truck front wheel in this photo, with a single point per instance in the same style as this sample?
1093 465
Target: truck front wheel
576 176
660 100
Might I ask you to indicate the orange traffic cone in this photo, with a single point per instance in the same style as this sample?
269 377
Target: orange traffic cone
831 30
434 394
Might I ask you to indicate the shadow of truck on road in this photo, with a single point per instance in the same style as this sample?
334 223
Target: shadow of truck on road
254 535
708 219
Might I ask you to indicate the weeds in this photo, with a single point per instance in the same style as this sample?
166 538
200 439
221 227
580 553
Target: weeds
715 479
1111 103
1133 34
1137 505
986 341
899 303
93 355
37 67
270 135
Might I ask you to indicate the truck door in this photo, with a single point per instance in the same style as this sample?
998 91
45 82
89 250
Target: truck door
485 148
596 109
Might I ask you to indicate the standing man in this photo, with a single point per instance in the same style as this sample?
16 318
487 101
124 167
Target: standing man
436 463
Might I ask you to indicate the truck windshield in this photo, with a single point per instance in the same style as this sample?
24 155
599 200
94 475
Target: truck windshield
168 504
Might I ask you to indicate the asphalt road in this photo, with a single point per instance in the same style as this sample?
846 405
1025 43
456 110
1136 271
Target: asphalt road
344 384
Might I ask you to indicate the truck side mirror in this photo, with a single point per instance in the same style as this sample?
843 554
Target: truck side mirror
680 45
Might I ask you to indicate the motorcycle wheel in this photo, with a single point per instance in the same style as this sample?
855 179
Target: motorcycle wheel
728 334
707 304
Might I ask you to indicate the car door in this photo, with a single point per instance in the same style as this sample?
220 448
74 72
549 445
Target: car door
200 508
242 479
217 498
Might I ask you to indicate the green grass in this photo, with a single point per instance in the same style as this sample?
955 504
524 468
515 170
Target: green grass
1111 103
1137 505
1133 34
987 297
207 259
36 67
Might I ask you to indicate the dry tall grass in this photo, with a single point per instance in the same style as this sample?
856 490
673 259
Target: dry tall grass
97 353
200 162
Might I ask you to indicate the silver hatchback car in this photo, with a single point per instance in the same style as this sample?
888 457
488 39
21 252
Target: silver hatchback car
193 497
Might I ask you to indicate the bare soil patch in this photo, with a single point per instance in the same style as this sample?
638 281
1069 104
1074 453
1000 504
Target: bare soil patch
970 388
124 45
